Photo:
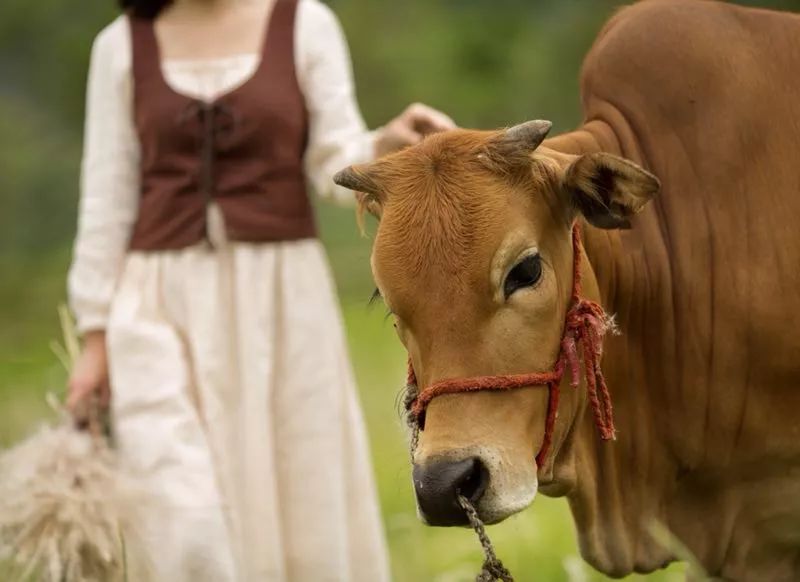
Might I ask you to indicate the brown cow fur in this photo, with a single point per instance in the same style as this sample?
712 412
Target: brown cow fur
706 374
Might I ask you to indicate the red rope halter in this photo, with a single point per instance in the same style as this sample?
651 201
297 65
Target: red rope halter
585 326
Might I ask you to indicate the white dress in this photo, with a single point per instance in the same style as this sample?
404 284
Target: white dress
233 397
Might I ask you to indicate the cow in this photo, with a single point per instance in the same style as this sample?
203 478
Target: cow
474 253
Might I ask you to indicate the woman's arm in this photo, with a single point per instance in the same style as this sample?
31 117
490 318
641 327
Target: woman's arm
108 206
338 136
109 179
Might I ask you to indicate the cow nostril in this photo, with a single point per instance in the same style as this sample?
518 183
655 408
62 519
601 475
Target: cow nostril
439 483
474 482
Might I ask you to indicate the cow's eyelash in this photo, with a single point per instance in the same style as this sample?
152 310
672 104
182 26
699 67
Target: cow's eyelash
376 296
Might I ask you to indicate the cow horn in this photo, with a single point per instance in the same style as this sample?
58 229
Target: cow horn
528 135
355 178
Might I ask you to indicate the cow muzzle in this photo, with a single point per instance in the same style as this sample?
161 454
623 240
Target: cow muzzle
496 486
438 484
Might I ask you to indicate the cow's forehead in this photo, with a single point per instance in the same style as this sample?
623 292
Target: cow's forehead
440 223
445 211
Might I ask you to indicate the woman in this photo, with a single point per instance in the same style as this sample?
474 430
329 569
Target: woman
205 297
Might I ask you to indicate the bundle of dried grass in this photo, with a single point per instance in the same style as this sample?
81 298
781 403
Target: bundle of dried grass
63 501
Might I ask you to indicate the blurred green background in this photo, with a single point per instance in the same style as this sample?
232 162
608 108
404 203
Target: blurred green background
488 63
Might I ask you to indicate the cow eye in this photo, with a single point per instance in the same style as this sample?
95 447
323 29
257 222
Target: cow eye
526 273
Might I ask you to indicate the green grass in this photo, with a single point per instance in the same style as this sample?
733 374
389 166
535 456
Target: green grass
538 544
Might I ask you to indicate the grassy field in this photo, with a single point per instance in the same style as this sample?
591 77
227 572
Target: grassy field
536 545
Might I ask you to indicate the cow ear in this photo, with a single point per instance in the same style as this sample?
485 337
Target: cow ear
608 190
362 181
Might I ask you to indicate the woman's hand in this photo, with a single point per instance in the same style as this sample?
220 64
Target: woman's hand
89 378
410 127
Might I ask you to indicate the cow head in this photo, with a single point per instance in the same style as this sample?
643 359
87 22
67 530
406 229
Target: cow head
473 258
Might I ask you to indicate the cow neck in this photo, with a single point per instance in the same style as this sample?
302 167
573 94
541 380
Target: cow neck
585 326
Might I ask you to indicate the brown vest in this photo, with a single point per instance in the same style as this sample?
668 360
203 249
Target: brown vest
244 150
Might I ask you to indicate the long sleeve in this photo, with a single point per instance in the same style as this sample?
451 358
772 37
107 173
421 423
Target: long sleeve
109 179
338 136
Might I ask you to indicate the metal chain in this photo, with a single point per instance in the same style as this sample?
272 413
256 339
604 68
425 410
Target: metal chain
492 569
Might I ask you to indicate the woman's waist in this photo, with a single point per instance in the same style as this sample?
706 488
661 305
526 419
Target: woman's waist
234 180
169 223
225 250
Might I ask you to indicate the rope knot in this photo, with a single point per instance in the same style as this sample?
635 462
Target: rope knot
586 326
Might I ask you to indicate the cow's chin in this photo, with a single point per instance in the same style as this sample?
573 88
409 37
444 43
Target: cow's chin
496 508
513 484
